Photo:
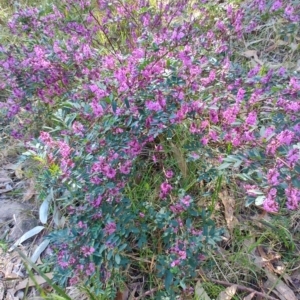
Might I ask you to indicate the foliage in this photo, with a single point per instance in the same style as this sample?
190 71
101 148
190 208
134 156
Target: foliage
113 84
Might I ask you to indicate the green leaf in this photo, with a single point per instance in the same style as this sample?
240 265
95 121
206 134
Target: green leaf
43 212
27 236
114 106
168 280
117 259
296 183
224 166
250 200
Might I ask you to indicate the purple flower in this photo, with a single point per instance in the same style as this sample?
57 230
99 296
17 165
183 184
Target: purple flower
110 228
165 189
87 251
285 137
153 105
281 72
109 172
78 128
276 5
270 204
240 95
63 264
90 269
169 174
96 202
251 118
186 200
293 198
272 177
293 156
177 208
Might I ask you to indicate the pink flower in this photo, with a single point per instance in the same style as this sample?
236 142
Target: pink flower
186 200
97 108
169 174
87 251
293 156
204 141
78 128
153 105
285 137
165 189
110 228
64 149
272 177
97 202
109 172
81 225
293 198
74 281
276 5
90 269
250 189
126 168
251 118
253 72
240 95
63 264
177 208
46 138
270 204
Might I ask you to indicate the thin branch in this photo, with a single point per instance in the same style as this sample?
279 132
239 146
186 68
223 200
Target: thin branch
103 31
150 292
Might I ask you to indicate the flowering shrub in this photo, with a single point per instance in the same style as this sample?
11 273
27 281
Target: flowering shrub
111 80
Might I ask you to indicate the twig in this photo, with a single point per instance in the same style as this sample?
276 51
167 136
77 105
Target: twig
148 293
103 31
138 258
243 288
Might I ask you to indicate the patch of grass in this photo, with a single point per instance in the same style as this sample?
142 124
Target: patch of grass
3 245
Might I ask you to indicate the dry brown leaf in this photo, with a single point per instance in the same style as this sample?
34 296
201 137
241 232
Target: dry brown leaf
228 293
2 290
75 294
276 44
30 192
179 156
28 282
4 177
253 55
19 172
10 295
10 167
122 295
200 292
283 291
229 205
132 297
5 188
249 297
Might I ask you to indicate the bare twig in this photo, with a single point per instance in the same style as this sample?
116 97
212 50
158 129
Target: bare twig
150 292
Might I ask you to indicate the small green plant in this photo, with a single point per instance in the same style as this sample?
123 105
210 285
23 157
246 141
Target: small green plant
3 245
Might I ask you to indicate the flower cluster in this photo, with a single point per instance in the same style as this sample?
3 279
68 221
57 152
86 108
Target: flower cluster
123 77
